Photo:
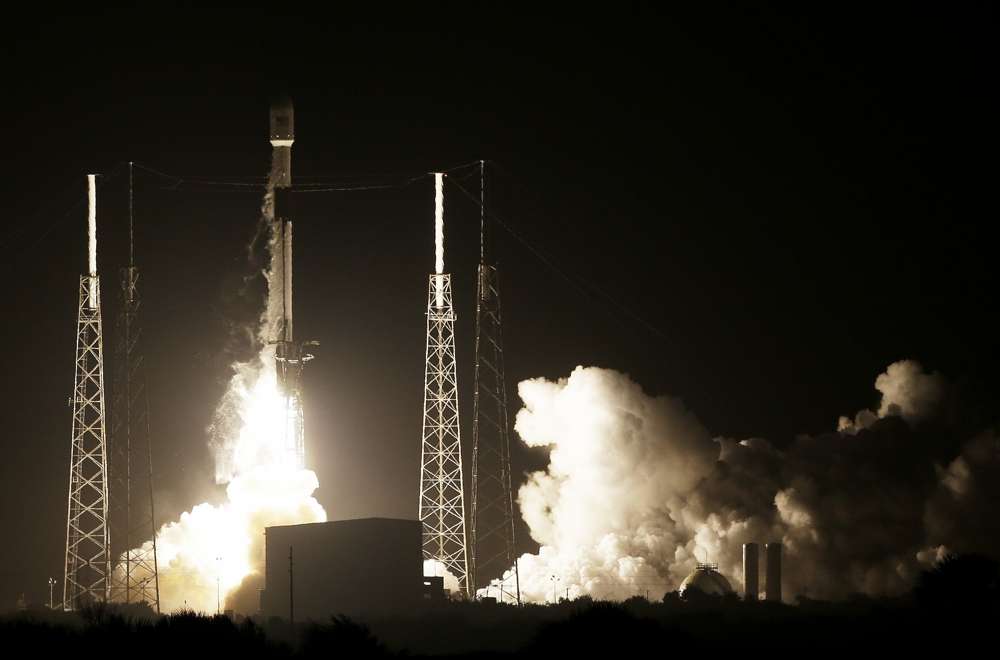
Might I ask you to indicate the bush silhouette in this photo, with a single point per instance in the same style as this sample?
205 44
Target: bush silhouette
960 583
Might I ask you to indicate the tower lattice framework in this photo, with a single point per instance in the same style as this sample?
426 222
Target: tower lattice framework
133 529
88 565
493 551
442 495
492 500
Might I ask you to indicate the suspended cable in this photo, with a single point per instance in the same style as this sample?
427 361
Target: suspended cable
25 226
581 285
318 184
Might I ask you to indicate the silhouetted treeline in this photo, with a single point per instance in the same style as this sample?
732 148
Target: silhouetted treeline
953 606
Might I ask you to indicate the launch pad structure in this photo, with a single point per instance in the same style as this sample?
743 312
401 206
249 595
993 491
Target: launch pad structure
87 568
132 522
442 494
493 557
111 479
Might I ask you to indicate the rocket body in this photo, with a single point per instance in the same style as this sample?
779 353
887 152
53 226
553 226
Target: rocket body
282 138
289 357
288 362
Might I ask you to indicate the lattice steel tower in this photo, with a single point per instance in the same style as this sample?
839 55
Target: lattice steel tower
88 560
442 495
493 555
133 531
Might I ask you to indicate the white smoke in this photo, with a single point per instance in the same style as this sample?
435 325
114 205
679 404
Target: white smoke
637 492
907 392
214 550
436 568
608 511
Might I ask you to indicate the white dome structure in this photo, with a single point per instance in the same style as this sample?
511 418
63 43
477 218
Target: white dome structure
707 580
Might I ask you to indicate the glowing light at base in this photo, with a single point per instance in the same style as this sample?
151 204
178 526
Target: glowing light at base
212 549
214 553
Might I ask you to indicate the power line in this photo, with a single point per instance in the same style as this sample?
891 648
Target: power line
588 289
26 225
319 184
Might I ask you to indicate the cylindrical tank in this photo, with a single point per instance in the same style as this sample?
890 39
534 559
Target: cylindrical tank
287 277
751 566
773 552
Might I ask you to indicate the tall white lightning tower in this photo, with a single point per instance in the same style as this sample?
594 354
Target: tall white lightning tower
442 495
88 560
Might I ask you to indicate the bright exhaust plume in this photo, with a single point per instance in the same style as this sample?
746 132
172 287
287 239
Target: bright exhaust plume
212 550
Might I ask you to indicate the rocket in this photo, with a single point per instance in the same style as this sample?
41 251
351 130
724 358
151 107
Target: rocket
289 357
288 354
282 137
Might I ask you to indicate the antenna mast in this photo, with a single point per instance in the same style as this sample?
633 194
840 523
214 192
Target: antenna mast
442 495
86 578
493 550
135 578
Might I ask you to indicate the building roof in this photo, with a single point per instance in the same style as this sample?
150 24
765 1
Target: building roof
707 580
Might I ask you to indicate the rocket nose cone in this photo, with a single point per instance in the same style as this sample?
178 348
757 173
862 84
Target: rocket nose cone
281 103
282 119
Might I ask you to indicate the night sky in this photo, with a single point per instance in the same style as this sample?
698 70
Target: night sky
755 211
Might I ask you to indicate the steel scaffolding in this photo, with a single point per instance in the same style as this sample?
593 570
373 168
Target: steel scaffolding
135 577
133 527
442 497
493 551
88 561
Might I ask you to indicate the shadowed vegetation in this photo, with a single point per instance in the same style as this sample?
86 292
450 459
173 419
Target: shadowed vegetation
961 595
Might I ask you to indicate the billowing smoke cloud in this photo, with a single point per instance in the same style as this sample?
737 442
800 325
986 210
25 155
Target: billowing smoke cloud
435 568
213 555
907 392
637 492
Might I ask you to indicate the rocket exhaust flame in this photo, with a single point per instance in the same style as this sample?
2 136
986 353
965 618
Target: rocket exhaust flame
219 548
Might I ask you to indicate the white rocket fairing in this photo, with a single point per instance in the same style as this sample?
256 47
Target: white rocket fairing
282 138
288 354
